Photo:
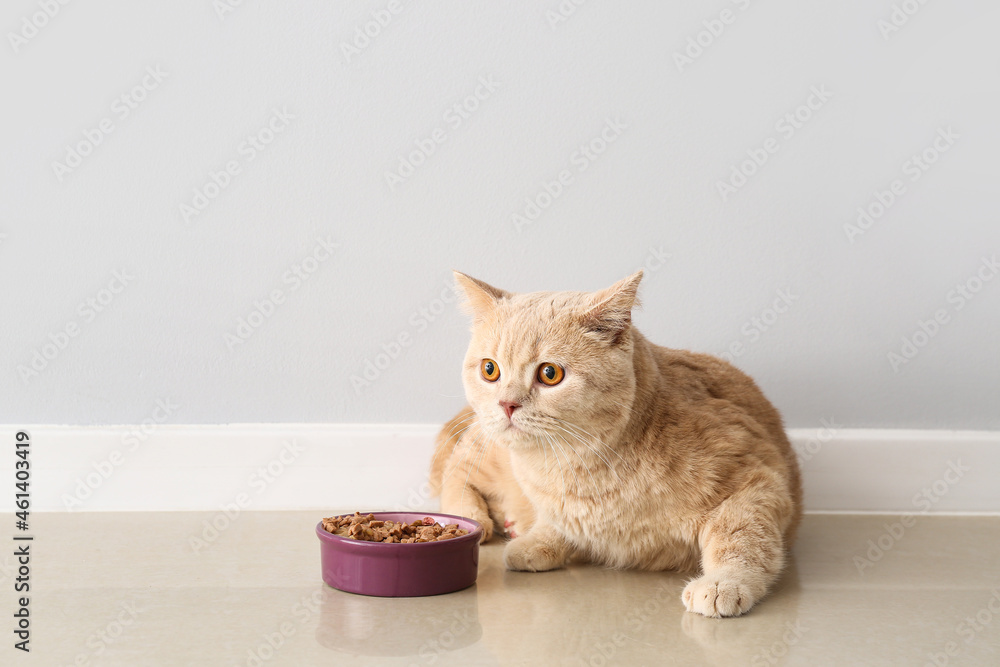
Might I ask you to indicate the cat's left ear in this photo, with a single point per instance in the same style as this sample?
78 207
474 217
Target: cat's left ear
480 298
609 312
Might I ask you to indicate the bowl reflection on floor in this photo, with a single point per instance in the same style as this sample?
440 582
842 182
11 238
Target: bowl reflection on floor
424 626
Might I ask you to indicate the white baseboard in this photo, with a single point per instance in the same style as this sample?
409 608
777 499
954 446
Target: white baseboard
373 466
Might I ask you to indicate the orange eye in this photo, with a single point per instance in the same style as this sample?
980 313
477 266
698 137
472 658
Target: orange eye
490 370
550 374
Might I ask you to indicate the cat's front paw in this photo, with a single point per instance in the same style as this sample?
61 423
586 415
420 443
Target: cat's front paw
487 524
482 518
719 594
529 554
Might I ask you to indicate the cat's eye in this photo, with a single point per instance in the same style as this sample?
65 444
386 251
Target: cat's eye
550 374
490 370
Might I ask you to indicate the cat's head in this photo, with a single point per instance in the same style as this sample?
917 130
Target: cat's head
547 366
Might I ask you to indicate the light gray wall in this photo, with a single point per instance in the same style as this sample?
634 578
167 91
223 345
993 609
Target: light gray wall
555 85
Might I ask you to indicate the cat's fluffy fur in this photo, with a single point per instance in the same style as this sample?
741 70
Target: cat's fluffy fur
641 457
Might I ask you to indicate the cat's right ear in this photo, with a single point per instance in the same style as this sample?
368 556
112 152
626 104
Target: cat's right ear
480 298
609 315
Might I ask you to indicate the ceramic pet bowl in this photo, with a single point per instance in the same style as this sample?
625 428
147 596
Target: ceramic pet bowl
402 570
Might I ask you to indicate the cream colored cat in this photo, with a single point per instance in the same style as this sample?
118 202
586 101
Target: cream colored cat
588 441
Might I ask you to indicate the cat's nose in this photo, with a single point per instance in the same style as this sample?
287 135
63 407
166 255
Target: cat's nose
509 407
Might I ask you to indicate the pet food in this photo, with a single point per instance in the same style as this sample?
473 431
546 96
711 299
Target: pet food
366 527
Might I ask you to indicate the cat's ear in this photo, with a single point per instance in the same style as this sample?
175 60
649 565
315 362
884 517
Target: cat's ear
480 298
608 314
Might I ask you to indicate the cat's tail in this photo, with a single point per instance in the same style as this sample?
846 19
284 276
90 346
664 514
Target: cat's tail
446 441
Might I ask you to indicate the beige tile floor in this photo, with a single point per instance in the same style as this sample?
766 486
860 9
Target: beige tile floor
129 589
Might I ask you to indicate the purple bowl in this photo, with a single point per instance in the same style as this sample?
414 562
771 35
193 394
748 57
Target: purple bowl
402 570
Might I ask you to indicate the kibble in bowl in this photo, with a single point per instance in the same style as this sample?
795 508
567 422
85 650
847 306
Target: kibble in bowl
399 554
366 527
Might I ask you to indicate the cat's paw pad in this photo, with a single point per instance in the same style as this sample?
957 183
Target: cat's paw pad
508 526
530 555
717 595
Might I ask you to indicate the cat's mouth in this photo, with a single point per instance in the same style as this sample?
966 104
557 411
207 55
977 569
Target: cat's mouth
510 429
517 433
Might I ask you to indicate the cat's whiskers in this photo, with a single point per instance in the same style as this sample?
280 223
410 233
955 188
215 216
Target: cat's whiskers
464 457
569 464
463 430
628 409
545 423
597 441
469 418
481 453
486 452
561 475
586 444
469 421
619 403
477 445
579 456
585 436
542 446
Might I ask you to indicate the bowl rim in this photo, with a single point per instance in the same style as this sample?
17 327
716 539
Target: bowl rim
365 544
